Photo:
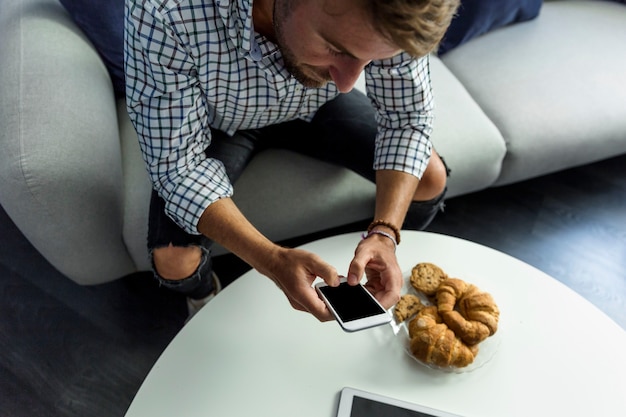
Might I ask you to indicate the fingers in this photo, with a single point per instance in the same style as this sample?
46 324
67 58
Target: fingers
357 266
295 279
299 270
371 253
384 277
307 300
386 296
311 302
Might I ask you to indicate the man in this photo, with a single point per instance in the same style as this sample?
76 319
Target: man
210 82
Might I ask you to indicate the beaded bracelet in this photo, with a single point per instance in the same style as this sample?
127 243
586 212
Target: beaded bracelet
385 224
380 232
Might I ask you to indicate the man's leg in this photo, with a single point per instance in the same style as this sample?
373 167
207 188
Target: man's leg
181 261
429 197
343 132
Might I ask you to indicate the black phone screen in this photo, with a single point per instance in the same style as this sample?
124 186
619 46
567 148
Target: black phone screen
351 302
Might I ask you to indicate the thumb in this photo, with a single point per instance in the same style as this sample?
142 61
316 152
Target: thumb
329 275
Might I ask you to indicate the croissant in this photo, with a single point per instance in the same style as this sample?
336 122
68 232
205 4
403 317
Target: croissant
432 342
470 313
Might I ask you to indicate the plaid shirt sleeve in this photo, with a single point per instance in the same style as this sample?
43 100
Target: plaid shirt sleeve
169 113
401 92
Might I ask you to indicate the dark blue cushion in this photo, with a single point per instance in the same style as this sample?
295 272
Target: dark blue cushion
476 17
103 23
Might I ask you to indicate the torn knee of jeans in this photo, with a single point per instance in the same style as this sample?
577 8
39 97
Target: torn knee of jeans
205 262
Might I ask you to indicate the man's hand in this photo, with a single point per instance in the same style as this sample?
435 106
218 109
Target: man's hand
294 271
375 256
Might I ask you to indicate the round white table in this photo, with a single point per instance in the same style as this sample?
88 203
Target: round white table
247 353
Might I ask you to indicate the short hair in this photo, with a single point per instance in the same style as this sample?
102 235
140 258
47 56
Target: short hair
415 26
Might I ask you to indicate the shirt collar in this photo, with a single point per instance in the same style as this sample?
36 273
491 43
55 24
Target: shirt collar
237 17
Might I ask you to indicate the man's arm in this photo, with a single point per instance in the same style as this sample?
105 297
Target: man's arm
401 89
168 110
292 270
375 255
394 192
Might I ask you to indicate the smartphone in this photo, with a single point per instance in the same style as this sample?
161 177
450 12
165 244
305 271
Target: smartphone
353 306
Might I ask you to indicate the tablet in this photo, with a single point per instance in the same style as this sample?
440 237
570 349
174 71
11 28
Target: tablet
357 403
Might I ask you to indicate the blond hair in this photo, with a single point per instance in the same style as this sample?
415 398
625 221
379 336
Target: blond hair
415 26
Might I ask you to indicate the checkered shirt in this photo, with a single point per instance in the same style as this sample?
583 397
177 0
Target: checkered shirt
195 64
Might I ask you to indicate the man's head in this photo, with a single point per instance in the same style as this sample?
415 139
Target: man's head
329 40
415 26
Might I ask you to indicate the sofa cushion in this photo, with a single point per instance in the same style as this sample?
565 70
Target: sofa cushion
60 169
476 17
463 135
557 95
103 23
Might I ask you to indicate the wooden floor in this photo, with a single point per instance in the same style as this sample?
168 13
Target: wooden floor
67 350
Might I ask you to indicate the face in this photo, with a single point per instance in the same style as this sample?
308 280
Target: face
324 40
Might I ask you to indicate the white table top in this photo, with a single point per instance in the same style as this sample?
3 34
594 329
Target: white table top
247 353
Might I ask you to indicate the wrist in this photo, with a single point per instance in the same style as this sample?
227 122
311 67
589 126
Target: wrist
383 235
269 260
387 227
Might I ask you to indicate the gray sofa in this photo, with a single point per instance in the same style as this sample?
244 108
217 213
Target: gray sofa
519 102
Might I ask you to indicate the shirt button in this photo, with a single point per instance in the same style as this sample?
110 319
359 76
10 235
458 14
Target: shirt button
255 53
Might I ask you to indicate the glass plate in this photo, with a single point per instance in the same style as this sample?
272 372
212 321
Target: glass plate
486 349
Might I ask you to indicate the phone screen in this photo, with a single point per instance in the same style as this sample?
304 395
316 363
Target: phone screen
351 302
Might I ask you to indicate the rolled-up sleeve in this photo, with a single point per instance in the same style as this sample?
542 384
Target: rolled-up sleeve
401 91
168 109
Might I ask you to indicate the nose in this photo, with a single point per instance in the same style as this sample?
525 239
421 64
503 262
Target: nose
345 73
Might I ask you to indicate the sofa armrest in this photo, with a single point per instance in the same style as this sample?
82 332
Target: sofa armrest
60 166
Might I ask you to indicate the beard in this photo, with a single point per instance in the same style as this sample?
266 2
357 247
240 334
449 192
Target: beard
307 75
